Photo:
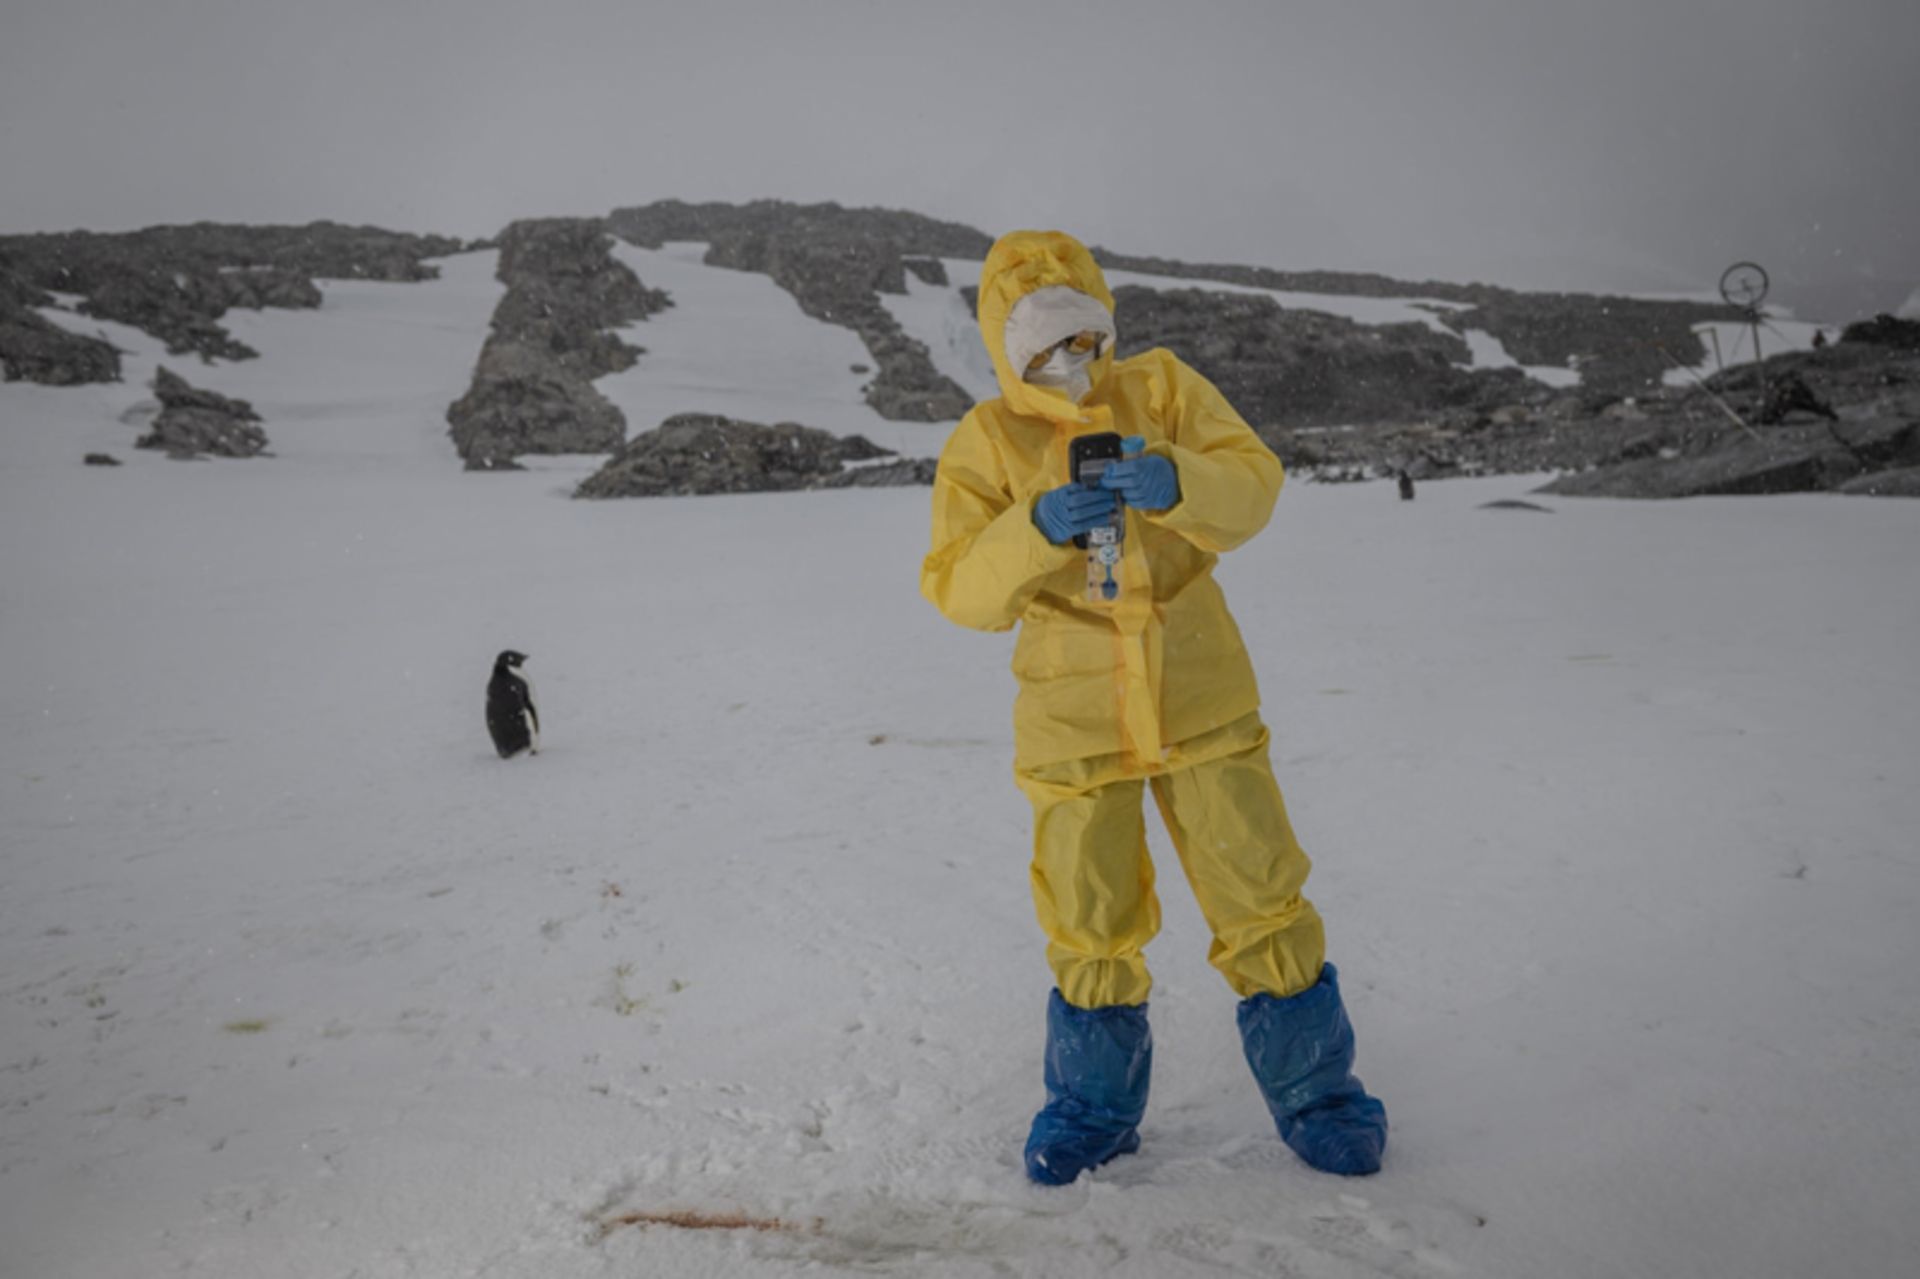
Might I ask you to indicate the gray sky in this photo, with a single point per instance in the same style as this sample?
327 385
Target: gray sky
1589 143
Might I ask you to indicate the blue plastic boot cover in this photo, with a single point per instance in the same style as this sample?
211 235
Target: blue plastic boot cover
1098 1061
1301 1051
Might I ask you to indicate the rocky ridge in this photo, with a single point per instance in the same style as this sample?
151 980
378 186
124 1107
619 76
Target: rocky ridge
1620 345
34 349
1851 424
551 335
175 282
1283 367
700 453
1726 435
1336 399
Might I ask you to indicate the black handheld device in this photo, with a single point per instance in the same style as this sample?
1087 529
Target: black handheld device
1087 457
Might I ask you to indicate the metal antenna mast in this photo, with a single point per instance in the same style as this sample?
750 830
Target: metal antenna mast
1745 284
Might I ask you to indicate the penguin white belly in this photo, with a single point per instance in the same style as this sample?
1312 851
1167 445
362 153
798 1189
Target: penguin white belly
531 714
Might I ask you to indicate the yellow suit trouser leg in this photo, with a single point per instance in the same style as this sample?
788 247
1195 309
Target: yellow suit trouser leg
1229 823
1093 882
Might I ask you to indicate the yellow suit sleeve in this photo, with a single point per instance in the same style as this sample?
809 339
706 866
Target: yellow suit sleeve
1229 479
988 560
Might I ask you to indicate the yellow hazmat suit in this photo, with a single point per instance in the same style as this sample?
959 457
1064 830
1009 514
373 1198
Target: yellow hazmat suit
1154 687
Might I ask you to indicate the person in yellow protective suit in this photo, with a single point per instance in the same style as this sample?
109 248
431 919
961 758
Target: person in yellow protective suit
1119 691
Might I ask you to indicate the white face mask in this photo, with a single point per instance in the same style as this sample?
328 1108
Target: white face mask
1065 371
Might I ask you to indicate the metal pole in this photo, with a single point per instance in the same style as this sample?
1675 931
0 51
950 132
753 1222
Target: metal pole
1723 405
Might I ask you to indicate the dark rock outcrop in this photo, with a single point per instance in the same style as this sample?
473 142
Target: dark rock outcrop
1791 459
1902 482
552 335
175 282
835 262
1885 330
258 287
903 473
1791 395
1621 346
34 349
1293 368
193 422
700 453
927 270
1658 445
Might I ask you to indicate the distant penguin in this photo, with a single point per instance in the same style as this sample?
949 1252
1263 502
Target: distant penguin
512 718
1406 487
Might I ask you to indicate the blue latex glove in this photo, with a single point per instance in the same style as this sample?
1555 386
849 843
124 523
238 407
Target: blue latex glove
1145 481
1072 509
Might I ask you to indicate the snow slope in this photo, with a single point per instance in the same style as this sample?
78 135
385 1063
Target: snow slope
736 343
1612 811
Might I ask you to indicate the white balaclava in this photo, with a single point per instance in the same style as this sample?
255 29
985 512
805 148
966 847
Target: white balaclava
1045 317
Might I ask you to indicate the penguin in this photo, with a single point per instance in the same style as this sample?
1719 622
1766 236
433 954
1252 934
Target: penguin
512 718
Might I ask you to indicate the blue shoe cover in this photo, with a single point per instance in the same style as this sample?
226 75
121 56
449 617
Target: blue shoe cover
1098 1061
1301 1051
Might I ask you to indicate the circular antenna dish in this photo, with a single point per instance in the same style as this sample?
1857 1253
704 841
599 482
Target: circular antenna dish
1744 284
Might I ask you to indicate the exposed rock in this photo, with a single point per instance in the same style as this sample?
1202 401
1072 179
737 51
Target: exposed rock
1619 345
1904 482
903 473
1791 395
927 270
552 335
101 459
835 262
1788 459
1285 368
1514 504
258 287
33 349
655 224
16 292
179 308
524 400
1885 330
193 422
174 282
1671 429
695 453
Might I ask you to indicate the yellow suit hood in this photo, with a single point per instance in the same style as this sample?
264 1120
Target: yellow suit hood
1023 263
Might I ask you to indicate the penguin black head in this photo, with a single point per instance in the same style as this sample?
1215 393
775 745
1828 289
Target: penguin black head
510 659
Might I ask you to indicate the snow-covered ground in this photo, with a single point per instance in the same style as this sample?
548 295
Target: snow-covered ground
1612 808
